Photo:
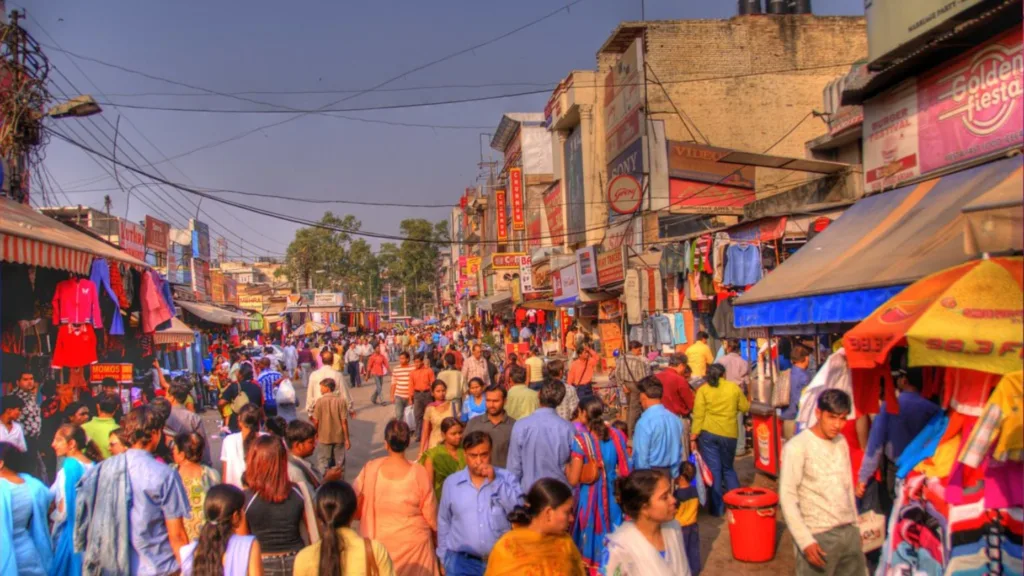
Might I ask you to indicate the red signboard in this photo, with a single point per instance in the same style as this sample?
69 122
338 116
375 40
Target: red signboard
533 231
122 373
624 194
515 184
502 215
132 239
687 197
610 267
157 233
973 105
553 207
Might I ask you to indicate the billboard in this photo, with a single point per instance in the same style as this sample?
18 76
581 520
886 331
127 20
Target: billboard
689 197
515 185
157 234
200 240
967 108
700 163
132 239
892 23
586 262
574 197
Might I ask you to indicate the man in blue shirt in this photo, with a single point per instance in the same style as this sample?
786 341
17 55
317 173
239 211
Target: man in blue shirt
268 380
798 380
658 438
891 433
541 443
475 503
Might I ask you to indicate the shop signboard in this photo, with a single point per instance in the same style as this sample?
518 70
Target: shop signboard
565 285
217 286
308 296
121 372
534 230
179 264
586 263
554 210
890 138
501 215
201 279
200 239
621 232
132 239
611 267
230 291
506 260
624 194
893 23
515 186
689 197
574 196
700 163
526 274
473 266
251 302
973 105
624 96
326 299
157 234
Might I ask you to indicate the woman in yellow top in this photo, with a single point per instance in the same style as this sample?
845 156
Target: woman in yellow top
341 550
539 543
535 369
714 430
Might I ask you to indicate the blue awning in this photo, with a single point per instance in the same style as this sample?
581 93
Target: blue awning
876 248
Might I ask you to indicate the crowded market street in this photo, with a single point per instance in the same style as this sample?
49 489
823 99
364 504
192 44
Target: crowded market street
590 288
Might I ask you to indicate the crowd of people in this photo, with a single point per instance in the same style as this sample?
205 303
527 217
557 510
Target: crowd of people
512 475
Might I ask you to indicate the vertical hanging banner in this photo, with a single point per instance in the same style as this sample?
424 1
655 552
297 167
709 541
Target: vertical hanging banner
515 184
501 207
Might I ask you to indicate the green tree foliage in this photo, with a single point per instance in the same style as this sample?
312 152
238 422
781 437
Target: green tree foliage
316 258
413 264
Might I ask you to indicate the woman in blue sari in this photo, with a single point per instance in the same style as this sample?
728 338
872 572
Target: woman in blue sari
597 511
70 443
23 527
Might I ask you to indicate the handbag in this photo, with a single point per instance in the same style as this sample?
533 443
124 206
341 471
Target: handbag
781 389
592 464
703 470
872 531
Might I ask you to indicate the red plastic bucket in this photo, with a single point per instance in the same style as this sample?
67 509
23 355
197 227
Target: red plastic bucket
751 514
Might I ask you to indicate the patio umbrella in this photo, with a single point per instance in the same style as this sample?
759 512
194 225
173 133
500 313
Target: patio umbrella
308 329
969 316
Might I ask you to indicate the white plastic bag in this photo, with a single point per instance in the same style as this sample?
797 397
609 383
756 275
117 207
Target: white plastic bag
285 393
872 531
410 417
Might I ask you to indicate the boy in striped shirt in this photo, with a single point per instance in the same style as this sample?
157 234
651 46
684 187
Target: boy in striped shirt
400 385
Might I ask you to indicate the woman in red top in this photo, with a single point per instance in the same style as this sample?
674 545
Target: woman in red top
377 367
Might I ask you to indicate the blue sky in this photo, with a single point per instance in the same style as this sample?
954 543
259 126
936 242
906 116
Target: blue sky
314 45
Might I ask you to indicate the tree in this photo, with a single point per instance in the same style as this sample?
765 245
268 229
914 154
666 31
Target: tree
316 257
413 264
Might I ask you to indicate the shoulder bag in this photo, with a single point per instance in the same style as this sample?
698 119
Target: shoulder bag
592 464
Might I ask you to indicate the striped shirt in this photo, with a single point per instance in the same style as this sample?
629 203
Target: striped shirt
400 382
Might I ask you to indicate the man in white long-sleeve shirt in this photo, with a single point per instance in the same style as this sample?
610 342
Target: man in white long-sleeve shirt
817 493
327 371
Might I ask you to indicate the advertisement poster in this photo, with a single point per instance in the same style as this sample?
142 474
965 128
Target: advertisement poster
501 215
624 95
574 197
553 208
526 274
565 285
473 265
890 138
157 234
972 105
515 185
201 279
200 240
586 262
611 267
132 239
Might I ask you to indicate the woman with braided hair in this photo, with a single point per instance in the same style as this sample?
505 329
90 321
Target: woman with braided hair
222 547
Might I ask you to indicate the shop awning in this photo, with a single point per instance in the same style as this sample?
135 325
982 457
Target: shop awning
995 221
28 237
210 313
177 333
880 245
495 300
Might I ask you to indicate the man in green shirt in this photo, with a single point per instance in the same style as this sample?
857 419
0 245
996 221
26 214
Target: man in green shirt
522 401
99 427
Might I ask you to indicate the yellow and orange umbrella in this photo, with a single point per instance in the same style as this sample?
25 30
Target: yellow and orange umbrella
969 316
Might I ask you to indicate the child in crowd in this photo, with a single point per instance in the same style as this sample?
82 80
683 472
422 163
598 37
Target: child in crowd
686 514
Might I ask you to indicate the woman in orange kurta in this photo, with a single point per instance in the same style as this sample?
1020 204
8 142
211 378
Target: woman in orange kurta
397 506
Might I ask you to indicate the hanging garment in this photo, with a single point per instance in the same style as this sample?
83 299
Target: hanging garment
1000 425
117 284
164 288
721 243
76 346
673 260
100 276
680 328
744 265
154 309
76 301
631 292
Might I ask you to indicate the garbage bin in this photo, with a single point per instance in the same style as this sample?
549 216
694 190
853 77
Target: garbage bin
751 515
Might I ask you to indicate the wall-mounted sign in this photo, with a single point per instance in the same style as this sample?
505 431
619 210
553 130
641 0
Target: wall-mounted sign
327 299
473 265
121 372
251 302
515 185
200 240
575 214
623 96
230 291
132 239
893 23
611 267
586 263
697 162
506 260
501 215
201 283
554 209
526 274
217 286
565 285
157 234
624 194
890 138
688 197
